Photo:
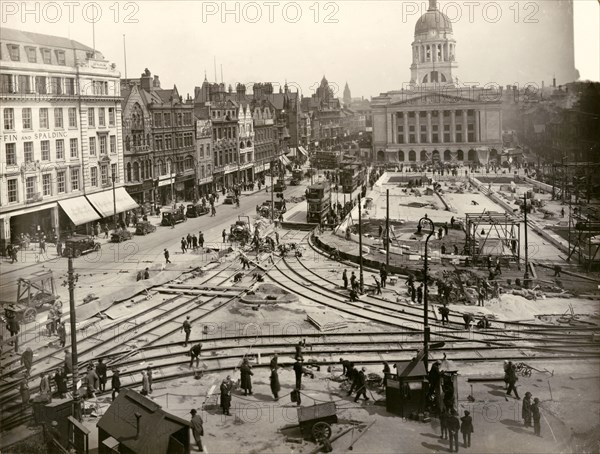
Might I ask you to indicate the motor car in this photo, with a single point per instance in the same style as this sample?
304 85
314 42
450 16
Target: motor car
120 235
144 228
77 245
194 211
280 186
176 216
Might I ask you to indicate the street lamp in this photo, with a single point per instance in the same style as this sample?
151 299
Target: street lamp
114 177
426 220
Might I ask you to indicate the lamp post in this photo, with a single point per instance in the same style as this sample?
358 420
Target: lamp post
360 252
526 275
426 220
114 177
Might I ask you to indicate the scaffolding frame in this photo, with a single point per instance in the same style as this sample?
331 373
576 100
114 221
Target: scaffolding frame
582 228
505 226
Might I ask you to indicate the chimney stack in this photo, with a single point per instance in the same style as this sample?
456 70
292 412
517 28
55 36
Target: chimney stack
156 83
146 81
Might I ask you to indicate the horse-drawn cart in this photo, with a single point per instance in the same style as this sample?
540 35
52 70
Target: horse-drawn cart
316 420
32 293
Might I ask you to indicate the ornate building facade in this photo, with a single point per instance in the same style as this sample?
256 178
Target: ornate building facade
435 122
61 139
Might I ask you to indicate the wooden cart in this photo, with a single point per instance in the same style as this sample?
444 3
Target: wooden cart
316 420
32 293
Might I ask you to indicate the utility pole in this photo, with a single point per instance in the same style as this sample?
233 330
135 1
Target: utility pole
272 195
526 276
360 252
114 201
426 329
73 322
387 229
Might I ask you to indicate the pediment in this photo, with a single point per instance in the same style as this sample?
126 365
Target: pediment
433 99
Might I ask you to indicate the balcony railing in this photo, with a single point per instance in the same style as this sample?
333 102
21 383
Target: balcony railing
37 197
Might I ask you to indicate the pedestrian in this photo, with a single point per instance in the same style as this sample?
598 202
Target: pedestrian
145 385
92 381
45 391
42 246
59 248
183 245
466 428
420 294
149 372
298 372
361 385
194 242
246 377
277 237
62 333
353 280
146 273
24 391
444 415
187 328
195 352
60 380
115 383
213 210
27 360
526 410
345 367
444 311
468 318
166 254
512 381
197 429
383 274
345 278
101 372
274 361
188 240
536 415
453 429
557 270
377 286
386 371
226 387
562 212
275 386
201 239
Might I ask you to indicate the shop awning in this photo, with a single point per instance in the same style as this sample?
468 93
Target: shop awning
79 210
104 202
303 151
284 160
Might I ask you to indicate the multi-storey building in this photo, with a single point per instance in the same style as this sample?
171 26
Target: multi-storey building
61 140
246 140
326 116
434 122
266 137
204 151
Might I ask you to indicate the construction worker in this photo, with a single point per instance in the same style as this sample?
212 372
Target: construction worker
187 327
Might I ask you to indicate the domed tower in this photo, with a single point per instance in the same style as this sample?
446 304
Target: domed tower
433 50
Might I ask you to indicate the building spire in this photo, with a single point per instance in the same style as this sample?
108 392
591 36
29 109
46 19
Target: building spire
432 5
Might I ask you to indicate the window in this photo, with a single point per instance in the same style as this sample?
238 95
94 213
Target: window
44 122
60 149
72 117
111 116
92 146
104 174
179 119
12 190
159 143
26 113
45 146
73 146
31 55
91 117
40 85
157 120
24 85
187 118
56 84
47 184
74 179
28 151
167 119
9 118
94 176
70 86
14 52
102 144
60 57
8 85
168 142
101 117
11 154
113 144
30 188
46 56
61 182
58 117
114 171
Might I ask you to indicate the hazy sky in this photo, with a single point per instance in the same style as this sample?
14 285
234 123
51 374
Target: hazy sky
366 43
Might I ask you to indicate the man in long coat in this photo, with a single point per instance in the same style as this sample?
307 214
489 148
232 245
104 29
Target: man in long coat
453 428
466 427
246 373
526 410
197 429
275 386
226 387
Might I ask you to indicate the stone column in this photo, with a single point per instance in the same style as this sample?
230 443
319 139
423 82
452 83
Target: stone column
418 126
477 126
465 125
441 125
453 126
406 128
428 126
388 127
394 127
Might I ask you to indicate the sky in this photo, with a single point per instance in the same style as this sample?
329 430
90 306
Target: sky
364 43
